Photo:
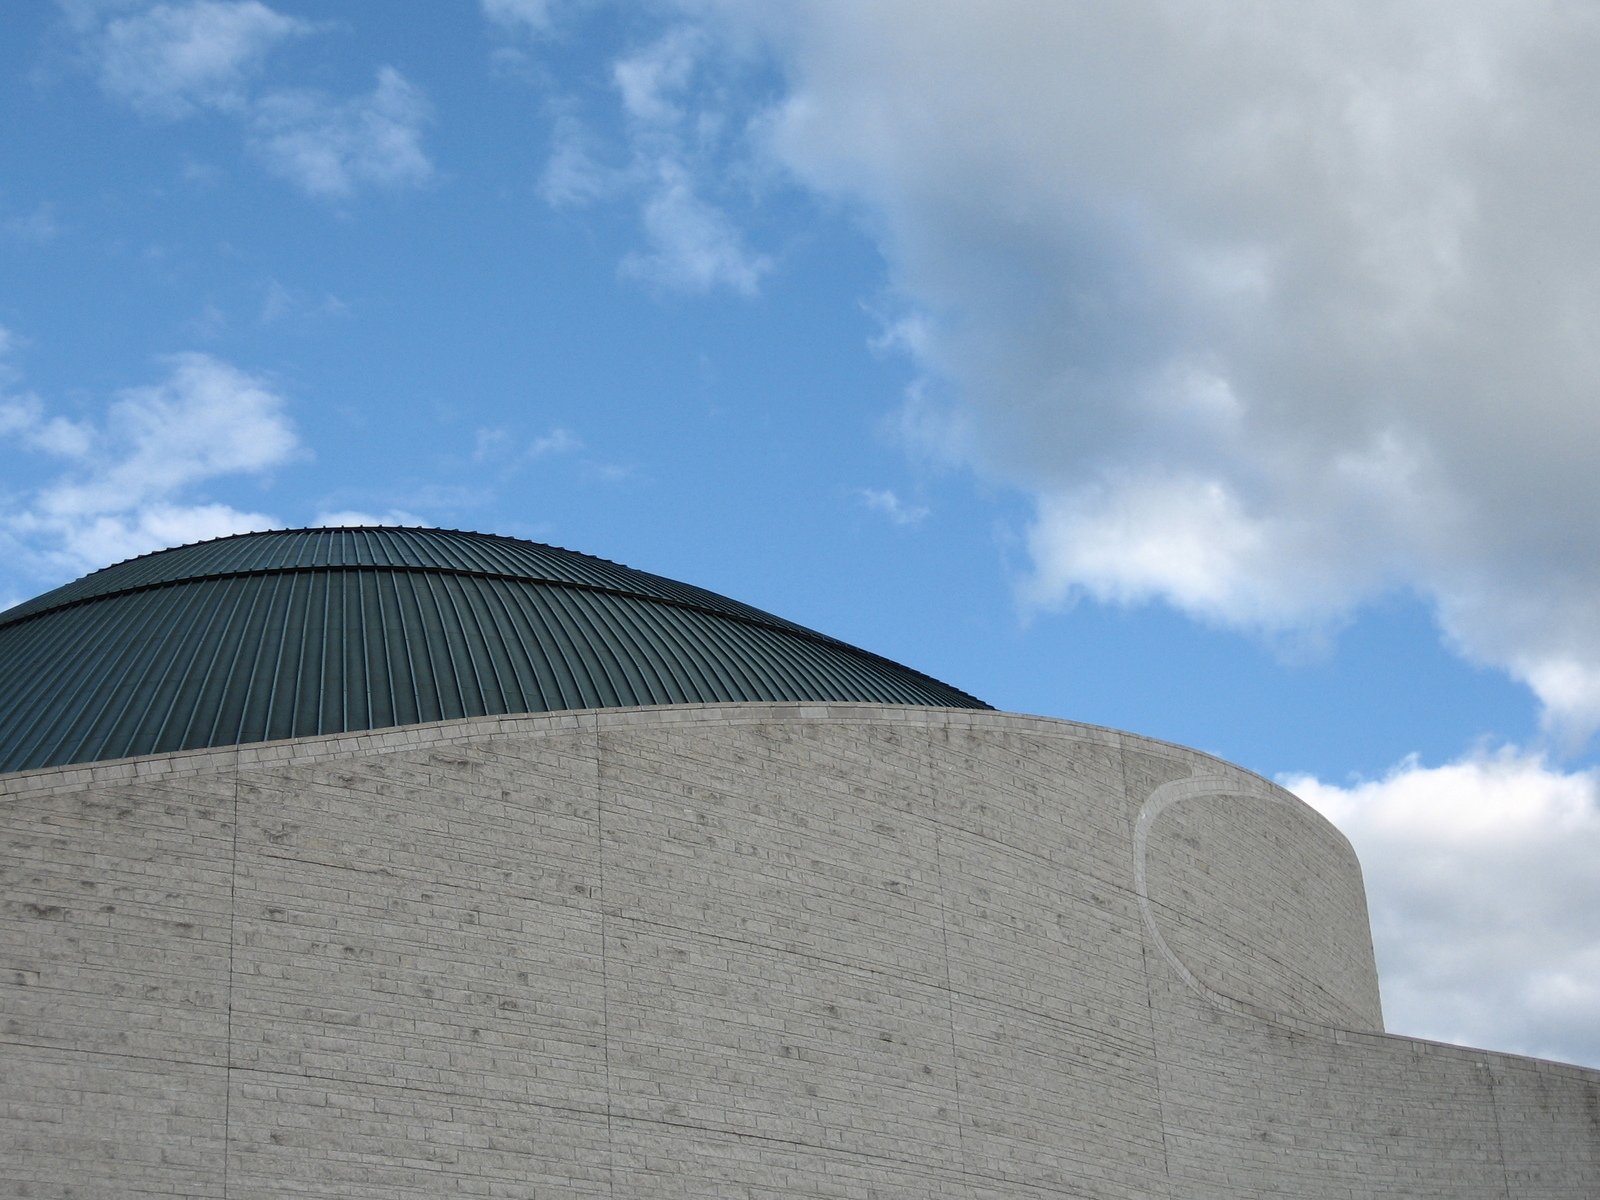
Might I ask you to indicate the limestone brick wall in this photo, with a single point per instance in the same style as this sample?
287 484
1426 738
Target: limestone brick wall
759 950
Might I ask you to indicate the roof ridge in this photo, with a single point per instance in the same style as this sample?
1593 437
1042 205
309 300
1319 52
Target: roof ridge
279 531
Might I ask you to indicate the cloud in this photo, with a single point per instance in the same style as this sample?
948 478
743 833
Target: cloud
519 16
172 59
1270 311
490 444
204 420
352 518
280 304
36 227
573 177
1482 890
493 444
557 441
694 246
607 472
650 82
22 414
97 540
1188 540
330 147
176 60
127 481
23 417
890 505
678 160
504 455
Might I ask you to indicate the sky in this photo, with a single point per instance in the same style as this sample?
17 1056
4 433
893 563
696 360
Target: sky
1225 371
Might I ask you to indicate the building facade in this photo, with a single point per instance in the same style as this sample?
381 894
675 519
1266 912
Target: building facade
829 946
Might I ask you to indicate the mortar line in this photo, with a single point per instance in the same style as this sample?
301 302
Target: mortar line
949 999
1499 1136
605 986
1130 813
233 941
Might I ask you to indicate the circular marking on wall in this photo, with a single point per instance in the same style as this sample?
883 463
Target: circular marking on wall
1160 800
1255 902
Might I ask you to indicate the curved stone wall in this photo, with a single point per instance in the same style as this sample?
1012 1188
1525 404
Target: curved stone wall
769 950
1253 898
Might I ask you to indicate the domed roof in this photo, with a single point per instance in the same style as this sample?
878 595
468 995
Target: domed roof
310 631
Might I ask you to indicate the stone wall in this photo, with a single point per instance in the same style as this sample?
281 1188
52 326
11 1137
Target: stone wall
760 950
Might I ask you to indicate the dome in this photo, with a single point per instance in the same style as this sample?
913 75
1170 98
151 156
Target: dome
298 632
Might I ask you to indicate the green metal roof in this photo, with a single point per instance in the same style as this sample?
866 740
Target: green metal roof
310 631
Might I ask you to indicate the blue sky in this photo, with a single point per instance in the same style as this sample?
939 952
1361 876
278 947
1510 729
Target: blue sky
1218 373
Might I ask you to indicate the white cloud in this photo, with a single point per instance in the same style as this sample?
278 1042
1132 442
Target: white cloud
353 518
96 540
573 177
174 60
678 163
204 420
557 441
23 417
649 81
1271 309
607 472
503 455
1191 542
330 147
499 445
519 16
281 304
128 480
171 59
694 246
887 502
1482 890
489 444
906 333
36 227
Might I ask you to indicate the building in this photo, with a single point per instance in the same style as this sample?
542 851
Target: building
409 863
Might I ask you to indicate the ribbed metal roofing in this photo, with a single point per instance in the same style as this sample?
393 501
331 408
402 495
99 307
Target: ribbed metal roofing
310 631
